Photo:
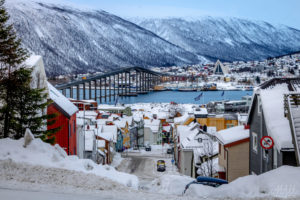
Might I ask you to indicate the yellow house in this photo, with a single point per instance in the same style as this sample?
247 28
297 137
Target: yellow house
221 122
233 152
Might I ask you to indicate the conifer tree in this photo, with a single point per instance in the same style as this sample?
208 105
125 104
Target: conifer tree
21 106
11 57
30 107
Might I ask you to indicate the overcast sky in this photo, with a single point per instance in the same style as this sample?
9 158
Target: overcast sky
275 11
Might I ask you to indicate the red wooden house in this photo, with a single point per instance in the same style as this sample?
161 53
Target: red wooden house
88 104
66 120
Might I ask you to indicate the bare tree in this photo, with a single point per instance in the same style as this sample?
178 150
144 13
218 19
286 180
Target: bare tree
207 166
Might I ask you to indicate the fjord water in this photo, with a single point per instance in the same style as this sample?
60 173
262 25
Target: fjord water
167 96
184 97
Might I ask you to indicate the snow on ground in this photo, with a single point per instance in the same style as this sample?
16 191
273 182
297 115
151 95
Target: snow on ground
44 155
116 160
280 183
171 184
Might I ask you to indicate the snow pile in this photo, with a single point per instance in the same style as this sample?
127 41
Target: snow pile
117 160
170 184
279 183
43 154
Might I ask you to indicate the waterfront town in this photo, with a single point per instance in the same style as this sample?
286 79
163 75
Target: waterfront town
173 124
219 139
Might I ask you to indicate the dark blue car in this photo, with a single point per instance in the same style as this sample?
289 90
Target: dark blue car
209 181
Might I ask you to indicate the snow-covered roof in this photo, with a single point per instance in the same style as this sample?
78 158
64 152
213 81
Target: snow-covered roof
184 131
100 143
87 113
59 99
233 134
110 107
200 111
182 119
108 133
32 60
211 130
242 118
38 74
191 140
153 124
278 126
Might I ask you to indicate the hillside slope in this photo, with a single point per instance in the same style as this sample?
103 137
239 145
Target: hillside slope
226 38
80 41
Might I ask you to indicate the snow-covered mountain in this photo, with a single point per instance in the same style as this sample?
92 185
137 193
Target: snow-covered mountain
226 38
79 41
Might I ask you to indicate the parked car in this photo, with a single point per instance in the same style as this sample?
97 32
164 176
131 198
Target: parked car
170 151
209 181
148 148
161 165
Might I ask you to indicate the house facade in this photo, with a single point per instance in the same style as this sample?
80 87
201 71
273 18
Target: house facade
233 152
267 118
65 120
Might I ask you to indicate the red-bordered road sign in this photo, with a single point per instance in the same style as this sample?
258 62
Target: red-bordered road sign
267 142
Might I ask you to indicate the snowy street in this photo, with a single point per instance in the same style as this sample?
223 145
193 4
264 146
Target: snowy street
143 164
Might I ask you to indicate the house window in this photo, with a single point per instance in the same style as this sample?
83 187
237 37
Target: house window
265 154
254 142
229 125
259 105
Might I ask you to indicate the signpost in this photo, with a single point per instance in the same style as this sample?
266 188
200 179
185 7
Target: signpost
267 142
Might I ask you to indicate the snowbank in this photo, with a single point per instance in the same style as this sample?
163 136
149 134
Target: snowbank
43 154
279 183
171 184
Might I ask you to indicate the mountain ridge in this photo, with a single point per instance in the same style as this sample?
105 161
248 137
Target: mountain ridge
237 36
75 41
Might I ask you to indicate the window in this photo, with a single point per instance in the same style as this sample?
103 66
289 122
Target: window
70 130
265 154
254 142
258 105
229 125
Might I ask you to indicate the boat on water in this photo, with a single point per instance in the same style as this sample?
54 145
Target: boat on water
158 88
209 87
187 89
